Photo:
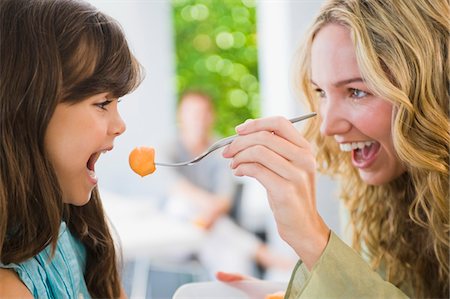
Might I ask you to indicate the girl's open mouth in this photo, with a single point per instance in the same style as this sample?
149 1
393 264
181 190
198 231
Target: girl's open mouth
90 165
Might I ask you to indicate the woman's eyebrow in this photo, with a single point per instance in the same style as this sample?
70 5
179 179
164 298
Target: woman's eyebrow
343 82
348 81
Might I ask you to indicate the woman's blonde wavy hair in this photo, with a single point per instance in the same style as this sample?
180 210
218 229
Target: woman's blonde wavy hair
402 52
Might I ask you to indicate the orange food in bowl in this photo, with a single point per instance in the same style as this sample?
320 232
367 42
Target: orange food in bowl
278 295
142 160
200 223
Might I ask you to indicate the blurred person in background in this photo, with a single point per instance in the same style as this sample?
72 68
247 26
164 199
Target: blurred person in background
209 184
203 194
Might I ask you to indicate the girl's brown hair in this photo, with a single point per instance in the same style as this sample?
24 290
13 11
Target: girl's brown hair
53 52
402 51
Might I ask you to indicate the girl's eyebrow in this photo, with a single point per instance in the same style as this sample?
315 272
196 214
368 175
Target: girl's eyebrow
343 82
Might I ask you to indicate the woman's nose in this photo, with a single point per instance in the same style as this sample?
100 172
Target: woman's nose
334 119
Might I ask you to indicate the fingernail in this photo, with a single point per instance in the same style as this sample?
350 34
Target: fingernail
225 151
242 126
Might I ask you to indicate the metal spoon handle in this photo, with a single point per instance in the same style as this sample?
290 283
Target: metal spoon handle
223 142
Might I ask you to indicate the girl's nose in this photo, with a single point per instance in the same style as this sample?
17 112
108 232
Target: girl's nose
118 125
334 119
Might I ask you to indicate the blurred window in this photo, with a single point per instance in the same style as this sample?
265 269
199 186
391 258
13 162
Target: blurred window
216 51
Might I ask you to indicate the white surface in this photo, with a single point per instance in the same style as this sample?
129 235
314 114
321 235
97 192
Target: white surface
147 233
232 290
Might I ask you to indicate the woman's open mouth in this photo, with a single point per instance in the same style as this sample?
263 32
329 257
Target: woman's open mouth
364 153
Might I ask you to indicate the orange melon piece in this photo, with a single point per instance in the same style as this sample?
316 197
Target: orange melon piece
200 223
142 160
278 295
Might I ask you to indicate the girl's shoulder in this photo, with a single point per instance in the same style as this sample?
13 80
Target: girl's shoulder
48 273
11 286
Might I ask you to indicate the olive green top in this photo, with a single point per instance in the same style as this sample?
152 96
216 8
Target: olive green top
340 272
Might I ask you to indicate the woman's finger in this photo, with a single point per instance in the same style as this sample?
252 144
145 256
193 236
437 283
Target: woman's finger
271 160
280 126
281 146
272 182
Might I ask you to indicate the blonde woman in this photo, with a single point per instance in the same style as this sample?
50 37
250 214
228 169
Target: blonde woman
378 73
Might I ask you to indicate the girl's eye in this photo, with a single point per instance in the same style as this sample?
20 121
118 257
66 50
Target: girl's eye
357 94
103 104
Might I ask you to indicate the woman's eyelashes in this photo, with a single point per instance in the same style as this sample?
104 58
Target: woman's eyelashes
353 93
357 93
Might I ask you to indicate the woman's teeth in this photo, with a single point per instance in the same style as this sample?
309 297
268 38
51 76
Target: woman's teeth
348 147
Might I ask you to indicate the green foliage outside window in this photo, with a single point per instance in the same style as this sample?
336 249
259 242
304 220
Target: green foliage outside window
216 51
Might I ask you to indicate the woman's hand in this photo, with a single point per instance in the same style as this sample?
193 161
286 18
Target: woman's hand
272 151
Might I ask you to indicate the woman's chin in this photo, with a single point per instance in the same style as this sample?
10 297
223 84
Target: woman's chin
379 178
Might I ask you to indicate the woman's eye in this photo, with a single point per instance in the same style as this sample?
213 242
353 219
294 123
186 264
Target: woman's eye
320 93
103 104
357 94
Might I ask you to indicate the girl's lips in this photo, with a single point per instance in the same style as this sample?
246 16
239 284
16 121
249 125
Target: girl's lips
90 165
91 162
92 177
364 158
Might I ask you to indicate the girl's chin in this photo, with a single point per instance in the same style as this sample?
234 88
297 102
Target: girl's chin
79 200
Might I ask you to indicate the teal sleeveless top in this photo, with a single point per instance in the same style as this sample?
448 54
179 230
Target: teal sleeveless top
57 277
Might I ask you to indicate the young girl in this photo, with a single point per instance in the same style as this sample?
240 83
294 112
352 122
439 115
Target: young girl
64 65
378 74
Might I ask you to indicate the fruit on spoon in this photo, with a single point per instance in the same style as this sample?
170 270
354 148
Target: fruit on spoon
142 160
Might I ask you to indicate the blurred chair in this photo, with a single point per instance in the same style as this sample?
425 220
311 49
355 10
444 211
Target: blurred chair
235 210
159 279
